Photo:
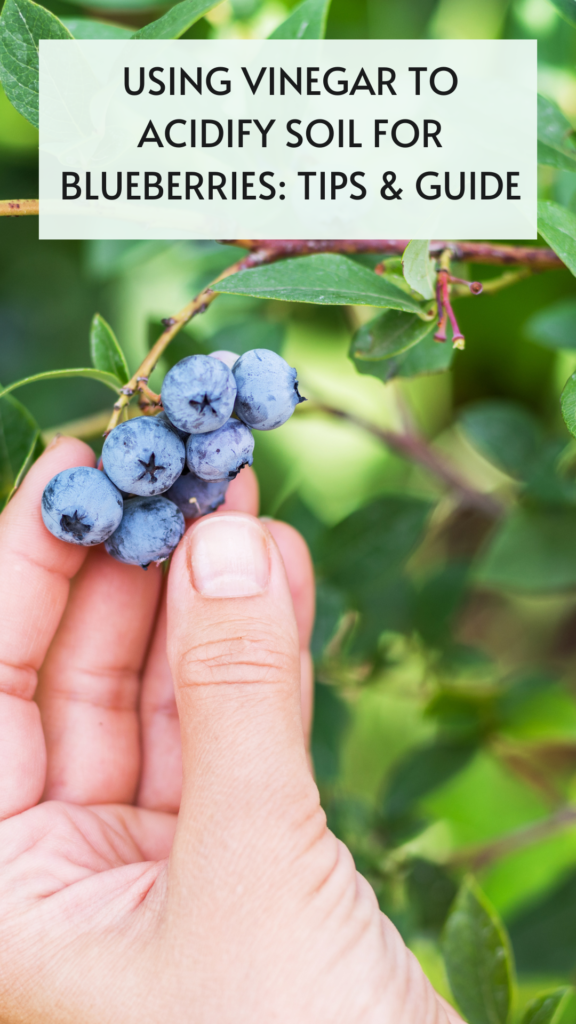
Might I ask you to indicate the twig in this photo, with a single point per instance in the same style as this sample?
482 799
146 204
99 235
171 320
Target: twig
479 856
473 252
415 448
264 252
476 252
174 324
86 427
495 284
19 207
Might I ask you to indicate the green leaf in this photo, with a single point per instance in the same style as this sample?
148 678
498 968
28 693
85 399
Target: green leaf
383 604
431 891
308 21
533 550
546 482
331 720
555 158
372 543
105 351
548 1008
427 357
86 28
325 279
423 770
555 326
22 25
567 9
558 226
505 433
555 136
478 958
543 930
330 607
34 452
568 404
16 133
387 335
437 601
418 268
177 20
19 445
105 378
119 6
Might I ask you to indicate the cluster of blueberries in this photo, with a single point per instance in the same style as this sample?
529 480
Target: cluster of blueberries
160 470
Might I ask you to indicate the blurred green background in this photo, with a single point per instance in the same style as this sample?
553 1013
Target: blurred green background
445 727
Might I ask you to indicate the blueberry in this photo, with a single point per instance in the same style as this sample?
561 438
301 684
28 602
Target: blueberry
196 497
221 454
81 506
182 434
143 456
267 389
149 531
198 394
225 356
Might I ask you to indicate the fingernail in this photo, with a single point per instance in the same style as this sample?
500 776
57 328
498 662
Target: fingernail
229 557
55 440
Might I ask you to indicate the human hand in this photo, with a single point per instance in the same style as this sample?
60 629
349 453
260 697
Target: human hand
143 879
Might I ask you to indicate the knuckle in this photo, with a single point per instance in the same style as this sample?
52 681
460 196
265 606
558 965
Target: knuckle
17 680
247 654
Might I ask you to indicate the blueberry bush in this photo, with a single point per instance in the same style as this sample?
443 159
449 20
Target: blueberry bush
435 483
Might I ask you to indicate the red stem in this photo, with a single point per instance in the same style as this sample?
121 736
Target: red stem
474 252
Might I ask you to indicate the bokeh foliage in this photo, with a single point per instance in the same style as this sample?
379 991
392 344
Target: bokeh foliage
445 645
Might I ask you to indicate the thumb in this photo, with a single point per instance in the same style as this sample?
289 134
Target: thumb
234 653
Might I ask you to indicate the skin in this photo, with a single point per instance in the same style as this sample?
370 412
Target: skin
163 853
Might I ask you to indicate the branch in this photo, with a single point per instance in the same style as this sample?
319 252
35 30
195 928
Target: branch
19 207
474 252
415 448
263 252
173 324
480 856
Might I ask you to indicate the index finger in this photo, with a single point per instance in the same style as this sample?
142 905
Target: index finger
35 569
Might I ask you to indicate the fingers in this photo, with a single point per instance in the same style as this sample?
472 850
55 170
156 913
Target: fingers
35 570
161 777
452 1015
300 573
161 780
90 683
235 656
151 833
243 493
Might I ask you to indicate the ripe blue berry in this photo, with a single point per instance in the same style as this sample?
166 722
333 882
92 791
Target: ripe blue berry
225 356
221 454
143 456
267 389
196 497
149 531
81 506
198 394
182 434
